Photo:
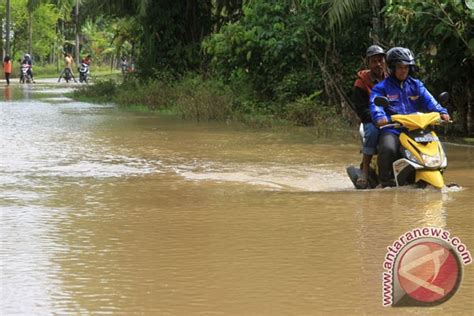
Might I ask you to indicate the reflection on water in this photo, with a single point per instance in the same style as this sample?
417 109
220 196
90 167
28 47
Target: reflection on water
7 93
111 212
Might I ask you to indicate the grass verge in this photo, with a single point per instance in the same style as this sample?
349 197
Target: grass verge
212 100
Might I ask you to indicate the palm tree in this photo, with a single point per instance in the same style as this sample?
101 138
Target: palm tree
65 8
341 11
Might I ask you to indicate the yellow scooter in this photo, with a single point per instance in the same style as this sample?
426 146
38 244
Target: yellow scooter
423 158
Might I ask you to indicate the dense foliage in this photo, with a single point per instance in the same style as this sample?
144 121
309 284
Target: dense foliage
276 57
285 51
442 35
52 26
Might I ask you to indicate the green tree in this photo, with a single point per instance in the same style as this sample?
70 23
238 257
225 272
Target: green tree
98 38
7 11
285 49
125 36
442 36
31 5
19 27
44 18
171 31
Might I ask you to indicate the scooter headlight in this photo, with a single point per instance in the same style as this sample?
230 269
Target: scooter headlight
431 161
411 157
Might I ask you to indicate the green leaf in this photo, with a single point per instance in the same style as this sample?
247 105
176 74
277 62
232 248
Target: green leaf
315 94
439 29
471 44
249 55
470 4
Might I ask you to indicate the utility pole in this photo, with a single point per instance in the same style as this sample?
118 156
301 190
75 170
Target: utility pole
7 25
77 34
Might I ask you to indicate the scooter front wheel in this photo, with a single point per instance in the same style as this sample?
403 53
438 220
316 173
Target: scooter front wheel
432 177
421 184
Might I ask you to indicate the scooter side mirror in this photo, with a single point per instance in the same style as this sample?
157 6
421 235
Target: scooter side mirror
443 97
381 101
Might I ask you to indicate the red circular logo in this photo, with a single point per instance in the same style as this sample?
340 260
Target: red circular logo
428 272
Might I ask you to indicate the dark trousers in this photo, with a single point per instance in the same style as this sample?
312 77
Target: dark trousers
64 71
7 77
389 151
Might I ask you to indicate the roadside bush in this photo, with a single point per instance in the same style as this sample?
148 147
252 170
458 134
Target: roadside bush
203 101
101 91
307 111
266 44
212 100
155 95
296 84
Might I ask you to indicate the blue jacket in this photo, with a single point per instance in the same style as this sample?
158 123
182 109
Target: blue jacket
407 97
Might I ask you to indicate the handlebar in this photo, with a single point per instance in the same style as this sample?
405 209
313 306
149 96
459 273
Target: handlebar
398 125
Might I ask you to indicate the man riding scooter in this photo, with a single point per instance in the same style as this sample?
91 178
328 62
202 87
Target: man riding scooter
406 95
28 63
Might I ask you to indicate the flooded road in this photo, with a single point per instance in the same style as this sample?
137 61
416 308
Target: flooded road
106 211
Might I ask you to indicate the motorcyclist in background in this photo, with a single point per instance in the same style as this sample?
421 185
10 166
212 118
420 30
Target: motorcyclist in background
27 61
87 60
124 65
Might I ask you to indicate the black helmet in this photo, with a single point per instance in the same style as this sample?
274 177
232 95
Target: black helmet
374 50
400 55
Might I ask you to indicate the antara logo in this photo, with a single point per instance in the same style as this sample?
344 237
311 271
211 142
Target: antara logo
423 267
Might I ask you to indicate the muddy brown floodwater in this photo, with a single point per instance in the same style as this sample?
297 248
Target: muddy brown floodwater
107 211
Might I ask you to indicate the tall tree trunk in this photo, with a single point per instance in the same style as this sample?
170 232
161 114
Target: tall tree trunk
1 44
77 33
376 20
30 32
7 31
52 53
63 48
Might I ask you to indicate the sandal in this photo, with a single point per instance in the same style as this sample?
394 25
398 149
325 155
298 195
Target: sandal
362 182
